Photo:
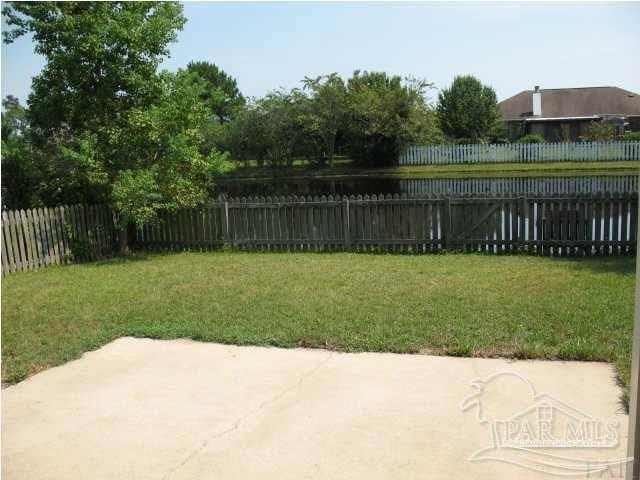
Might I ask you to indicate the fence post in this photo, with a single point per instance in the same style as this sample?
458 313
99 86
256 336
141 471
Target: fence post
445 227
633 445
345 219
227 234
524 219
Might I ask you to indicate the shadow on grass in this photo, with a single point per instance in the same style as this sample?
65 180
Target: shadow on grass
623 265
137 256
142 255
620 264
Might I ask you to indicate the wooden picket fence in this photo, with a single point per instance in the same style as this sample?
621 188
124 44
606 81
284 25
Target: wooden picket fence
40 237
520 153
540 225
551 225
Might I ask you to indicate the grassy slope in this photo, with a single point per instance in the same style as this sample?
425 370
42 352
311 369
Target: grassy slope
457 304
345 168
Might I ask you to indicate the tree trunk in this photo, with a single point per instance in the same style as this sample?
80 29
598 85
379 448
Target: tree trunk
331 149
126 237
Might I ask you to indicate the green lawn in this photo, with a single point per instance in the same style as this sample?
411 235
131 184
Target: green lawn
456 304
345 167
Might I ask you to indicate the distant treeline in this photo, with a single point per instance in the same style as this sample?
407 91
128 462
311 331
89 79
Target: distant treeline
103 125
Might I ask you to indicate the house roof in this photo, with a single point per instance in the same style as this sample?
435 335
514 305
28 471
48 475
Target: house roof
572 102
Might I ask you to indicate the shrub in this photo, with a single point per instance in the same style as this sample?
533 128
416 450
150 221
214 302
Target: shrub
531 138
631 137
385 114
80 249
468 109
600 132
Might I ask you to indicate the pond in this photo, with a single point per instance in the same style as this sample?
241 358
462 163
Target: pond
430 186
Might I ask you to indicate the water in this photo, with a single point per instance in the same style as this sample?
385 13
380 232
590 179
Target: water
430 186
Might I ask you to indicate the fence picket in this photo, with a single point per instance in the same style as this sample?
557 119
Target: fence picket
17 258
28 234
24 263
8 242
5 256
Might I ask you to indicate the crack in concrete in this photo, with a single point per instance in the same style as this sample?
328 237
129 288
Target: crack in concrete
238 422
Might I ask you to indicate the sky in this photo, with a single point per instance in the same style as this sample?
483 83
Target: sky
510 46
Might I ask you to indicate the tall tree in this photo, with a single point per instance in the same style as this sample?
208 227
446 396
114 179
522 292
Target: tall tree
385 115
14 118
165 168
101 58
325 113
21 172
118 131
282 128
221 93
246 134
468 110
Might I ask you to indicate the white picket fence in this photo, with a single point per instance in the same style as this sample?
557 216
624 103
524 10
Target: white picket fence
573 185
520 153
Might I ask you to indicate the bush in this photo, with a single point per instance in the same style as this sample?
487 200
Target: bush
469 109
385 114
80 249
631 137
531 138
600 132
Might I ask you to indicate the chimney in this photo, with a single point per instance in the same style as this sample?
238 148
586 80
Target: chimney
537 102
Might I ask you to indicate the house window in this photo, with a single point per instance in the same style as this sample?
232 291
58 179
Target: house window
545 413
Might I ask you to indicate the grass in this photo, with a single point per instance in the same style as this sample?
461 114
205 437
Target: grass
455 304
345 168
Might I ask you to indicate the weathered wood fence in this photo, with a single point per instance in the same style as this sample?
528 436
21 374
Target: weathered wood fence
551 225
558 226
520 152
40 237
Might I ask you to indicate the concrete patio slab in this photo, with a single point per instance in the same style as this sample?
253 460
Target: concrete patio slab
148 409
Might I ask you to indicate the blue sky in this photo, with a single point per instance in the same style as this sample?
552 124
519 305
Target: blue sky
508 46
